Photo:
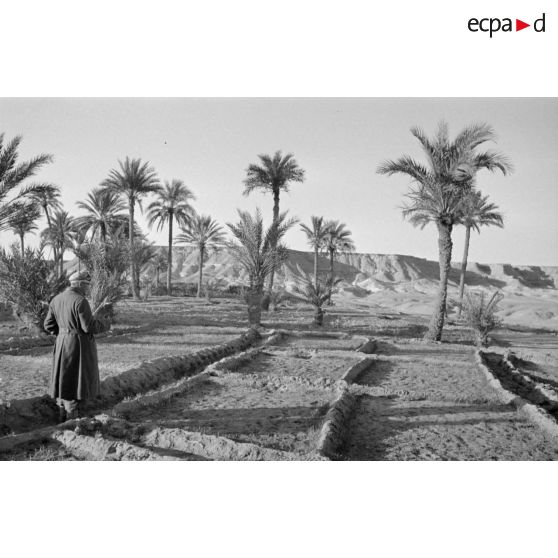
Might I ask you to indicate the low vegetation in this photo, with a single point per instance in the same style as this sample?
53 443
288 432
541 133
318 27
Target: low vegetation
27 285
480 314
315 293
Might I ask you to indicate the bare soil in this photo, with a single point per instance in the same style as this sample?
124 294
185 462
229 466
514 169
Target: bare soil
537 351
416 401
278 400
27 374
430 402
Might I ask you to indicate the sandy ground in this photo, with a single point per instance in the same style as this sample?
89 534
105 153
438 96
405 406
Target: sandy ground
417 402
27 374
537 351
278 400
437 406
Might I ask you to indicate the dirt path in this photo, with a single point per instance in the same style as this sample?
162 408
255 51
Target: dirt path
421 402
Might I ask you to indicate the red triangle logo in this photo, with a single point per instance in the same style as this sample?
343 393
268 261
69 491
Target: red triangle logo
519 25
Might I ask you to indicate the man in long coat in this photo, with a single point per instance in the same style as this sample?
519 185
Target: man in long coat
75 371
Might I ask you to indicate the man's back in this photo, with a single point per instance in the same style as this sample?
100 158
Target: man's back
72 313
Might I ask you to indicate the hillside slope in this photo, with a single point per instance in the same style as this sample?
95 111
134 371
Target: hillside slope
371 271
397 283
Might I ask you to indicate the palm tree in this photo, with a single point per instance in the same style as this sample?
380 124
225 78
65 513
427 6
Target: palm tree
47 196
22 222
144 255
477 212
172 202
439 189
133 181
12 175
103 213
337 239
316 294
159 263
204 233
79 245
273 175
60 235
316 235
259 252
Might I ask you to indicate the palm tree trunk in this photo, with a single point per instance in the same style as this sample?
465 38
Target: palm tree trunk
49 222
272 274
463 269
200 275
254 302
133 276
21 238
436 325
331 252
61 261
316 266
169 258
318 316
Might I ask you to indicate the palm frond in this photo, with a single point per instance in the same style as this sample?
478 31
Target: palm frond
275 173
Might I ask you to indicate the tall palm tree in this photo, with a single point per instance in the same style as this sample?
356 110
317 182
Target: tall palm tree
337 239
439 189
103 209
204 233
260 252
477 212
23 222
133 180
274 175
316 235
60 234
172 203
13 174
47 196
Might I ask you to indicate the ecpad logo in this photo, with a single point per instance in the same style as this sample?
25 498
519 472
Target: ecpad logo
493 25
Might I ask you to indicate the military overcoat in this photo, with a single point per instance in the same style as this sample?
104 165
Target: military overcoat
75 370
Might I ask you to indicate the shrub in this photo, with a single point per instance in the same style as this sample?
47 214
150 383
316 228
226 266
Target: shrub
306 290
214 287
28 283
480 314
106 264
276 297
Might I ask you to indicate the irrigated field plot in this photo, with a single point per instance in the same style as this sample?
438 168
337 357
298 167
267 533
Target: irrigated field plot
432 403
413 402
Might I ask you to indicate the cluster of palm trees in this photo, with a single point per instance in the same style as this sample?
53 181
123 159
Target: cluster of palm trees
110 211
443 192
105 220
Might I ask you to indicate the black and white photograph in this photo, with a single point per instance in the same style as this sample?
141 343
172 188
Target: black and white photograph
278 279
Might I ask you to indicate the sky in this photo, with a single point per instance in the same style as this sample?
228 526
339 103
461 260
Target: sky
209 142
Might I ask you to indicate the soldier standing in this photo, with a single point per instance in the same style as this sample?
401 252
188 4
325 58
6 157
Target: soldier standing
75 371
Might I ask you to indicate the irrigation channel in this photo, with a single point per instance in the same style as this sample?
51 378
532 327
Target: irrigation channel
302 396
433 402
